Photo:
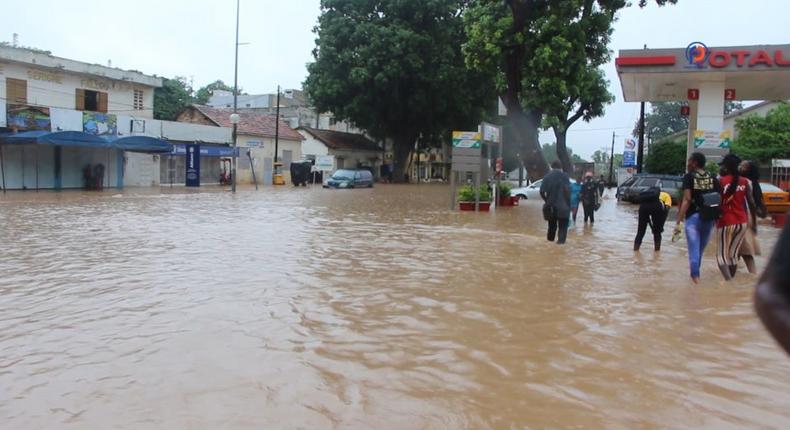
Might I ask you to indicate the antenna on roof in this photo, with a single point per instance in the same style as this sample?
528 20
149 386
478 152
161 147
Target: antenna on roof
15 40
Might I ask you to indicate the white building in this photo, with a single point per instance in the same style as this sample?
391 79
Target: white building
43 96
351 150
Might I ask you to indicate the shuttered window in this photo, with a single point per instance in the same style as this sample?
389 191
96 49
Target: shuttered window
94 101
16 90
138 100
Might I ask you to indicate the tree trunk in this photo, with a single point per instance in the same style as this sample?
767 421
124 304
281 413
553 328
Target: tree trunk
525 126
562 151
402 148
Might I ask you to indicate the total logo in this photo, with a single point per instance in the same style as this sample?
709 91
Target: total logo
697 54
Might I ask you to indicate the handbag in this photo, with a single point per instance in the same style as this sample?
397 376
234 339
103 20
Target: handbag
548 212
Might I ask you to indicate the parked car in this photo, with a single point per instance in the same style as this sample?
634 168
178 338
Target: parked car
776 201
630 189
531 191
347 178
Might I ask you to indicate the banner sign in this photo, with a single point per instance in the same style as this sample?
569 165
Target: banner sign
712 139
205 151
466 139
27 118
193 165
99 123
629 153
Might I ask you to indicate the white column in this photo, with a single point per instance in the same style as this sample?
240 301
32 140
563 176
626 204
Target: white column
710 114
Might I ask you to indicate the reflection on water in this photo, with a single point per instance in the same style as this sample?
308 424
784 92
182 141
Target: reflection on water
311 308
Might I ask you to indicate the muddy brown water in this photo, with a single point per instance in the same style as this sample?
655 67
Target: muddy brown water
364 309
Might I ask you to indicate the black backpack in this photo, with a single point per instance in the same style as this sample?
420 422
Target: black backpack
649 195
709 200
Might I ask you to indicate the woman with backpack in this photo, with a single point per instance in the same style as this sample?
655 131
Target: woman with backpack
731 228
699 209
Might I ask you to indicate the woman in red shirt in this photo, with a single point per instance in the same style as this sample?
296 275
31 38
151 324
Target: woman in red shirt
731 228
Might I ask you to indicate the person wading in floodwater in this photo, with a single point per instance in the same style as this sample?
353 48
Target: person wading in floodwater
654 206
576 190
590 198
751 247
736 197
700 210
556 193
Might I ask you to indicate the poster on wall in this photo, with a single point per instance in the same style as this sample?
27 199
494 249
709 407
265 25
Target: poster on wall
99 123
629 153
712 139
26 118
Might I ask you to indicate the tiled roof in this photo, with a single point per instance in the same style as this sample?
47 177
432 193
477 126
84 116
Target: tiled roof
250 123
341 140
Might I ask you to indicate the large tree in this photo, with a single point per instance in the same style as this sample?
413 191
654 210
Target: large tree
172 97
515 41
764 138
395 69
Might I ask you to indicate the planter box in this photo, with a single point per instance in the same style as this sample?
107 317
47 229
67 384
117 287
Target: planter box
508 201
470 206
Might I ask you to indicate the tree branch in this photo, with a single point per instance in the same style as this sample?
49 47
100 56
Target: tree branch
579 113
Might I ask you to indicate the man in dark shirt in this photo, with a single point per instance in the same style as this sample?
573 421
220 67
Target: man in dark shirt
698 229
556 193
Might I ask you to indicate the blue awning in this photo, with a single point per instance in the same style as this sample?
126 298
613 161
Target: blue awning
142 144
87 140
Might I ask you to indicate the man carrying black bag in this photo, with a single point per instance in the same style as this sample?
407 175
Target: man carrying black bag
556 193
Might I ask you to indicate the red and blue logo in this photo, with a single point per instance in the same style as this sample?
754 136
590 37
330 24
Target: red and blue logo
697 54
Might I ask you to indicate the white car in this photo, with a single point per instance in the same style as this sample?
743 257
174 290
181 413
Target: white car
531 191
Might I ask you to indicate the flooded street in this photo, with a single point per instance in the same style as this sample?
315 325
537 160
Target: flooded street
381 309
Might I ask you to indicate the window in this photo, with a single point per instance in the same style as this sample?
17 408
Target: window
16 90
138 100
95 101
648 182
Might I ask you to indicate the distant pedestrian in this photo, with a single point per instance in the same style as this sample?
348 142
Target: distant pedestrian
751 246
590 198
601 185
576 189
654 206
556 193
736 197
699 209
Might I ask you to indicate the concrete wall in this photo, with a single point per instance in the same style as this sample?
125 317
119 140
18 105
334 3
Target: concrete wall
312 146
262 148
57 89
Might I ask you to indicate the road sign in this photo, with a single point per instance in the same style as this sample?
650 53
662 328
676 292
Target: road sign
712 139
491 133
466 139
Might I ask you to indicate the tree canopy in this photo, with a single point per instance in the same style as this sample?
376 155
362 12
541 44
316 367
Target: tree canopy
174 95
203 95
395 69
764 138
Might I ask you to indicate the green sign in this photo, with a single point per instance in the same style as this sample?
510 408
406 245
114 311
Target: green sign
466 139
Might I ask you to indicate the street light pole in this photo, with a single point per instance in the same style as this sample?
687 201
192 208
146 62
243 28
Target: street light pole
277 126
611 162
235 93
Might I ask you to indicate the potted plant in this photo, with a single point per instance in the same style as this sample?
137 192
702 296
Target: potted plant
466 198
505 197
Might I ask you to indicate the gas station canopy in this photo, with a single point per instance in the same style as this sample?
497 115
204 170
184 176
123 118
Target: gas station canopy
755 72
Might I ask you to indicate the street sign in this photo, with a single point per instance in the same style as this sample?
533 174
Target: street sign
466 139
491 133
629 154
192 165
325 163
712 139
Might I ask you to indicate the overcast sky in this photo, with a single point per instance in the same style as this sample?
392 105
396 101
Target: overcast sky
195 38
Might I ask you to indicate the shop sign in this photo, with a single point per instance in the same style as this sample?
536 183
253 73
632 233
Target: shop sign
192 165
43 75
325 163
466 139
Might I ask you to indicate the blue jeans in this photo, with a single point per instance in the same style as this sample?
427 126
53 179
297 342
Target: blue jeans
697 235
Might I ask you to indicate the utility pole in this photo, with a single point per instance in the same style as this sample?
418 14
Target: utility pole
235 102
641 149
611 162
277 127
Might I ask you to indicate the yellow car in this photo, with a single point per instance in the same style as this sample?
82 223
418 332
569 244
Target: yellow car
776 201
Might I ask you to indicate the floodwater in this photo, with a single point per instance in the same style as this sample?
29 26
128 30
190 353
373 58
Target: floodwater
364 309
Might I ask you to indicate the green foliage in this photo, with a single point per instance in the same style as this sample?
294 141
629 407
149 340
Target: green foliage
467 193
712 168
668 157
203 95
764 138
601 159
174 95
395 69
550 152
504 189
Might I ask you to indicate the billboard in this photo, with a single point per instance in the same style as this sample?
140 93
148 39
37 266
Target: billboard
99 123
27 118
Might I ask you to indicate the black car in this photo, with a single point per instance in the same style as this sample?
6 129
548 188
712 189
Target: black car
630 189
346 178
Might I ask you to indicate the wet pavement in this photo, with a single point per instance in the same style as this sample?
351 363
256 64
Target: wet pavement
314 309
